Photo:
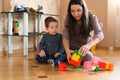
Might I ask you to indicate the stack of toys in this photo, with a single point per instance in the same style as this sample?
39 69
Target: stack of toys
76 58
105 65
96 64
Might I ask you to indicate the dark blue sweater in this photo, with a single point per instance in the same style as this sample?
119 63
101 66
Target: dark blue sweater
51 44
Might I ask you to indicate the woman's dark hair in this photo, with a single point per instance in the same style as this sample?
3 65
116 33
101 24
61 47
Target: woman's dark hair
85 29
48 20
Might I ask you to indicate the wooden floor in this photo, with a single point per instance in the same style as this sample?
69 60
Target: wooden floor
19 67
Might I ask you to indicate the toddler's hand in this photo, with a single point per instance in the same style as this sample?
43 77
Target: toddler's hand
42 53
56 54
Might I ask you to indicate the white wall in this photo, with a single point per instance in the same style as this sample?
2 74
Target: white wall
100 10
63 12
0 5
108 12
114 23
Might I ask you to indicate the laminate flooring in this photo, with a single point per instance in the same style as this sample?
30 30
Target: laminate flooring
19 67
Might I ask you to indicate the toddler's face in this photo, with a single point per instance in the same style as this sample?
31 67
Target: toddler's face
52 28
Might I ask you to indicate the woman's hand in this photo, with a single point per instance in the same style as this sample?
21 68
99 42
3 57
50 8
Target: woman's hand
42 53
69 53
84 49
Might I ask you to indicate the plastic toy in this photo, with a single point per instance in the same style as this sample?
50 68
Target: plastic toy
95 68
33 10
95 60
62 66
106 65
20 9
15 27
77 67
87 64
76 58
103 66
97 64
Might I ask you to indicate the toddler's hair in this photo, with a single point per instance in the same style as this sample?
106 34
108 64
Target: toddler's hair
48 20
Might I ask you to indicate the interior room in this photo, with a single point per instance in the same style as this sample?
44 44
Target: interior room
22 27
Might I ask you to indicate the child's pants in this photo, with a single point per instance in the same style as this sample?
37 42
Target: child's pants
45 59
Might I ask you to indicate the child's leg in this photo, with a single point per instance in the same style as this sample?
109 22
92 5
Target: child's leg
41 59
57 60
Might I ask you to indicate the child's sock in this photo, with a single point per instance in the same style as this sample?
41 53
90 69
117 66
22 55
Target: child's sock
50 61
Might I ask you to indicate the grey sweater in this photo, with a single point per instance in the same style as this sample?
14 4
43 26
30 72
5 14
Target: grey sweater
51 44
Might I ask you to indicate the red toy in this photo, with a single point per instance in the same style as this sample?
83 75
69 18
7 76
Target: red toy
106 65
62 66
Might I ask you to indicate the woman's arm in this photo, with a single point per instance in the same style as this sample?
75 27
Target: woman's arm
66 39
66 43
96 27
94 41
85 48
68 51
98 34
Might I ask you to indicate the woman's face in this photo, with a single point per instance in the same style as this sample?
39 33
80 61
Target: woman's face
76 11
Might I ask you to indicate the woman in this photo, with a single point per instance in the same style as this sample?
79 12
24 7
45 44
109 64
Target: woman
78 30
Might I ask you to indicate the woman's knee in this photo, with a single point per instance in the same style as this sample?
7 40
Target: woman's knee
87 57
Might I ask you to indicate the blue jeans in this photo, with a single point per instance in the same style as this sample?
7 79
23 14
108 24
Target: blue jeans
60 58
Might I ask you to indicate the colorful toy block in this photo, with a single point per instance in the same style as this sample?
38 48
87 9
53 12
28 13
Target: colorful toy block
106 65
76 58
87 64
97 64
95 60
62 66
95 68
75 63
